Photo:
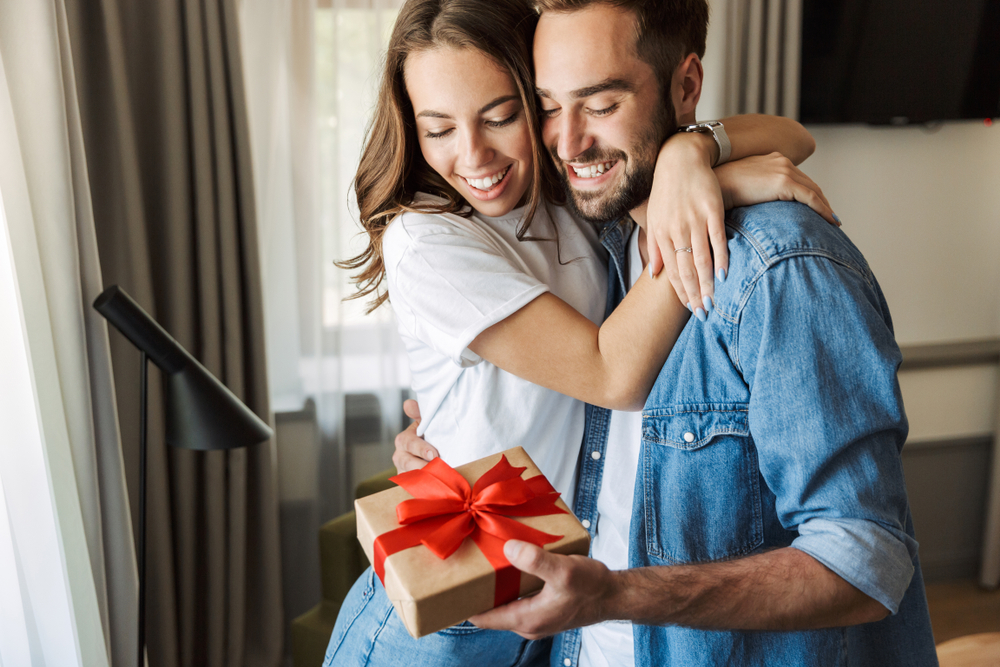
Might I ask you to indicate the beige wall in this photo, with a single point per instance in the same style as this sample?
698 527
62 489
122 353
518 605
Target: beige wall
924 207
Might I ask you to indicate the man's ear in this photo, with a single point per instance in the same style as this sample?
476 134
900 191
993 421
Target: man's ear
685 88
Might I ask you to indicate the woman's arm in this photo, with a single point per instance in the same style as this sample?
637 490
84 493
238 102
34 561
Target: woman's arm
686 206
757 134
549 343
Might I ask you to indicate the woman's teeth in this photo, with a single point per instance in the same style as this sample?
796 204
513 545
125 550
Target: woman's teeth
487 184
592 170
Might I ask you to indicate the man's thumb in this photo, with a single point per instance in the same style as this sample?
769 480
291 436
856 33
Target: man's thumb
528 558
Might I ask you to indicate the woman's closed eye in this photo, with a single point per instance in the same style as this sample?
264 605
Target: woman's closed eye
504 121
431 134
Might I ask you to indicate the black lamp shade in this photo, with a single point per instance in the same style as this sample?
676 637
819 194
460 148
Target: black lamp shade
201 411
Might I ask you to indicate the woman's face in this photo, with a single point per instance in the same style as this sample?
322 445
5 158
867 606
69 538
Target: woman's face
471 126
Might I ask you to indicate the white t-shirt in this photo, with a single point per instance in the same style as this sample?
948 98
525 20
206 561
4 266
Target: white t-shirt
449 279
610 644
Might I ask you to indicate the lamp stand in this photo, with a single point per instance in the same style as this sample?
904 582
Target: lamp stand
143 382
202 414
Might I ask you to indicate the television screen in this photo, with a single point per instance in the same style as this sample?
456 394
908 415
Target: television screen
899 61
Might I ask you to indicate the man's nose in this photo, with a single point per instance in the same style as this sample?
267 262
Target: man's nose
476 151
572 139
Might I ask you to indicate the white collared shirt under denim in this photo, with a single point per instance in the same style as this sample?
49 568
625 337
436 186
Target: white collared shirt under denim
777 422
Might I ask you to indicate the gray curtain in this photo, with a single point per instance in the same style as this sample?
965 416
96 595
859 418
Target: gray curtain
165 131
762 55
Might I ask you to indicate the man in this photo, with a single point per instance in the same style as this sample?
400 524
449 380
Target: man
756 512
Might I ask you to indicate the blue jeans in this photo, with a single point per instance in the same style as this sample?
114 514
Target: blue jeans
368 632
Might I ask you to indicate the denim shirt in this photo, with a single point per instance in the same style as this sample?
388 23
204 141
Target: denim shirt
778 422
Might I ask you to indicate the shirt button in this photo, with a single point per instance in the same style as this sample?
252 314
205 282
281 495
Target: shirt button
689 437
567 662
586 523
595 455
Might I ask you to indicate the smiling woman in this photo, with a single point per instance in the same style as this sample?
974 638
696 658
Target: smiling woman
484 152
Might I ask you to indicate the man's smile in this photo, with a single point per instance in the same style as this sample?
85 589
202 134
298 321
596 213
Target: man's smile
591 176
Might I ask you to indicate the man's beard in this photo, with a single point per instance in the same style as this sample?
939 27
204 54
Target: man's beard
636 182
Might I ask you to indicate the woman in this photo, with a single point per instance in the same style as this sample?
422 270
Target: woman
498 290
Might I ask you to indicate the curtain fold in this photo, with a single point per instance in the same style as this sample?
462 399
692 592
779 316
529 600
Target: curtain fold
164 122
762 55
47 206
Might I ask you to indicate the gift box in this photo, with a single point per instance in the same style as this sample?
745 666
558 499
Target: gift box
436 540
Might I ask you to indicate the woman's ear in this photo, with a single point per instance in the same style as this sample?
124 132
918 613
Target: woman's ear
685 88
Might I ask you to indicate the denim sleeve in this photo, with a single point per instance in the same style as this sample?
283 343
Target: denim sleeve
816 348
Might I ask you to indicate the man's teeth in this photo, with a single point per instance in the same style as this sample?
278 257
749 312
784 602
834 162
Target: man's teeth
592 170
487 183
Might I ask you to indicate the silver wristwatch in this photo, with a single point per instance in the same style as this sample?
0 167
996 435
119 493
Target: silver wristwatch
718 133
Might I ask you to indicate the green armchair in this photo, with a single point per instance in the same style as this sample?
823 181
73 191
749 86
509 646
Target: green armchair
341 562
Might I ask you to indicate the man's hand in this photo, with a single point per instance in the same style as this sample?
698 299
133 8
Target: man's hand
412 451
575 593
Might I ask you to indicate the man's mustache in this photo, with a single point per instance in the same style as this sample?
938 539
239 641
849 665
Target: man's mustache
589 156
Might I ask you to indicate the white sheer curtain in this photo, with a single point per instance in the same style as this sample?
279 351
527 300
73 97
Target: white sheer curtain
67 565
311 73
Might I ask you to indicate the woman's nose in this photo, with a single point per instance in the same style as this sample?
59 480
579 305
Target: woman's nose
476 150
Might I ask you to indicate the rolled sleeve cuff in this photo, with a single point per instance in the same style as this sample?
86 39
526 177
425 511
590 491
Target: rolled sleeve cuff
867 555
461 354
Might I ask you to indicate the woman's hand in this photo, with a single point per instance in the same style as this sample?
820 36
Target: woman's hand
685 221
762 178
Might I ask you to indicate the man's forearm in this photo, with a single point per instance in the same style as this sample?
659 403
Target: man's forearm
785 589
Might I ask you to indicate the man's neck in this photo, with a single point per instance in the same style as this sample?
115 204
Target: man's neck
642 243
639 214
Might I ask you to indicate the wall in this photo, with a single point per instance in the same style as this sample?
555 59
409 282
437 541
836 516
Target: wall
924 207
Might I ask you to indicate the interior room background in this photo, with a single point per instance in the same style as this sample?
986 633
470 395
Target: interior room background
200 154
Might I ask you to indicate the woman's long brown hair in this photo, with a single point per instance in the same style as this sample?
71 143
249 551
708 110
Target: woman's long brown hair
392 169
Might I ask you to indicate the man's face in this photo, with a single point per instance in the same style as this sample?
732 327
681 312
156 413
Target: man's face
602 117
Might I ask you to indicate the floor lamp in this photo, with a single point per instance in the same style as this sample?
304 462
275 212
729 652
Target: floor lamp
202 413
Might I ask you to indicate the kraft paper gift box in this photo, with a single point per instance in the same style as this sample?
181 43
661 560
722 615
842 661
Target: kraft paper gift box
431 593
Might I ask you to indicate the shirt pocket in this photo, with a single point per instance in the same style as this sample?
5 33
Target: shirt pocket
701 484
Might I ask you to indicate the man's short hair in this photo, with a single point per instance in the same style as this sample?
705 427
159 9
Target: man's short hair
667 30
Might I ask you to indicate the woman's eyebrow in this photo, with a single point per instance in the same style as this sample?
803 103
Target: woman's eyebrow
430 113
497 102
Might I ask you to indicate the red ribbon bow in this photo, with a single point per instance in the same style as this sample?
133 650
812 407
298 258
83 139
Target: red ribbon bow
445 510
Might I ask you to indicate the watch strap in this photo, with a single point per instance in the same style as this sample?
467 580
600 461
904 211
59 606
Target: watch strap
718 132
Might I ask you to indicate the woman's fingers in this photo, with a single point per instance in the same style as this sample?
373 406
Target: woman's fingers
720 246
655 263
702 258
688 273
802 189
672 270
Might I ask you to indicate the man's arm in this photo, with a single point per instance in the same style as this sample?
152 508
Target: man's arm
784 589
412 451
